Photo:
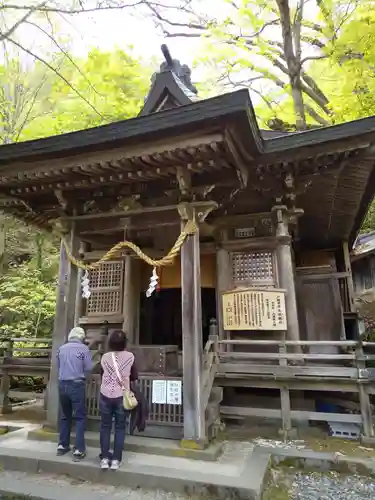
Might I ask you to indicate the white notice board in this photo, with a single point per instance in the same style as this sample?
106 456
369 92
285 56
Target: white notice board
174 392
159 392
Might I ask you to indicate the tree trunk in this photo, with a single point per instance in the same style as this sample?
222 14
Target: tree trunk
293 64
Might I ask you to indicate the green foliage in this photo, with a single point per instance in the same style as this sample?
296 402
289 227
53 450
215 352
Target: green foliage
104 87
27 303
24 243
369 222
113 85
21 91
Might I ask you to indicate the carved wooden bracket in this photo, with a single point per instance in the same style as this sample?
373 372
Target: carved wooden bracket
63 226
197 211
184 181
284 217
242 168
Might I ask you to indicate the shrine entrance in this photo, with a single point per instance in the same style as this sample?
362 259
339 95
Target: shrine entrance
161 316
160 321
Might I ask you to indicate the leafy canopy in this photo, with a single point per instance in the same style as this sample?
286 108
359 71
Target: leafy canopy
113 83
34 104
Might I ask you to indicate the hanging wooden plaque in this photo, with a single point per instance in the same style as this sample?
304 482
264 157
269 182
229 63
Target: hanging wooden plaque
254 309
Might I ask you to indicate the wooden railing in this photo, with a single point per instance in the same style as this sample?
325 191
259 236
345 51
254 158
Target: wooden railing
290 368
159 414
210 400
19 351
23 357
27 357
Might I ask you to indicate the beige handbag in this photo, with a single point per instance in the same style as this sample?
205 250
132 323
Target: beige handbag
129 400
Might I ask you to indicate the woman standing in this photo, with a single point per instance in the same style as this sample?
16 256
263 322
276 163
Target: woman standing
118 370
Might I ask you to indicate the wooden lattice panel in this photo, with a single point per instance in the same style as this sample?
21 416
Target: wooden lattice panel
106 289
104 302
108 275
254 268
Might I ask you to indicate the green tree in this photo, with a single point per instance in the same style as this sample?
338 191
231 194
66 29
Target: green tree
113 83
347 76
27 303
22 89
270 47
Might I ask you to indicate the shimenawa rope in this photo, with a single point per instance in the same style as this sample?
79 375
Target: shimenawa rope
190 228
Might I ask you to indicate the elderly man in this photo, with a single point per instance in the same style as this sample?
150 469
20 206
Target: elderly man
73 363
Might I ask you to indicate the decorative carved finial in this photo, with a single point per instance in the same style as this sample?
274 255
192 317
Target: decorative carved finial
182 71
167 56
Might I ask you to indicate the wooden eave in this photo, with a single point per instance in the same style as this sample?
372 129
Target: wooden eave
333 166
145 151
164 125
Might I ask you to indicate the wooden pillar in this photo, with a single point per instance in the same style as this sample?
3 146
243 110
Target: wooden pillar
364 397
5 405
223 283
286 270
349 279
131 299
79 300
192 338
64 321
2 244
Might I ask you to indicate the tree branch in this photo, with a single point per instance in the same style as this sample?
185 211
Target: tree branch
314 86
313 58
58 73
82 10
29 111
315 116
63 51
31 10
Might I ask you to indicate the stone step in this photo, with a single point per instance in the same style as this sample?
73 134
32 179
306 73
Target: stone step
163 431
137 444
239 475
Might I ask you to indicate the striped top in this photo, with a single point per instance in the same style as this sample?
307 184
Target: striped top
73 361
111 386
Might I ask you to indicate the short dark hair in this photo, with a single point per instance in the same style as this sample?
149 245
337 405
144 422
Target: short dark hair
117 341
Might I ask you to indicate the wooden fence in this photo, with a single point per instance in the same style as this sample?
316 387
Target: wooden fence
27 357
290 368
159 414
22 357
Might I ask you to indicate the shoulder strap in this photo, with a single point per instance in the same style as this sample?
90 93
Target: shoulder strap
116 368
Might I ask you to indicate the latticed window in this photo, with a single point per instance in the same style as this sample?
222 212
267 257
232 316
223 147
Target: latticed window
106 289
253 268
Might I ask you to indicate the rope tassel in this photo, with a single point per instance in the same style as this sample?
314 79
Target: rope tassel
153 283
85 283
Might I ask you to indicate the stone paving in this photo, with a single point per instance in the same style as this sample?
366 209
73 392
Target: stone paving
230 463
332 486
60 487
237 473
238 460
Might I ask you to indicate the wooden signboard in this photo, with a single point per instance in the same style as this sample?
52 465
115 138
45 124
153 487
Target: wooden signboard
254 309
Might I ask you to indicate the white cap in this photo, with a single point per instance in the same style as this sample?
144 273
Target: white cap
77 333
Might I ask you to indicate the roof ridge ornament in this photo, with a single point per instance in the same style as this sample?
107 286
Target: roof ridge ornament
171 86
182 71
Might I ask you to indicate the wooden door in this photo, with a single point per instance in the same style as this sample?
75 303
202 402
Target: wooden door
320 309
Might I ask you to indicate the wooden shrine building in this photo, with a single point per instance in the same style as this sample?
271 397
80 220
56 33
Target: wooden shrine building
272 211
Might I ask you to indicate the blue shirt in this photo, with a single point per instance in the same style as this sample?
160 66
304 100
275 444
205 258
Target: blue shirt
73 361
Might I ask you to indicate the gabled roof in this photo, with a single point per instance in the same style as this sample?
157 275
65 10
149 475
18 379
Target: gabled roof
363 246
334 166
171 86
